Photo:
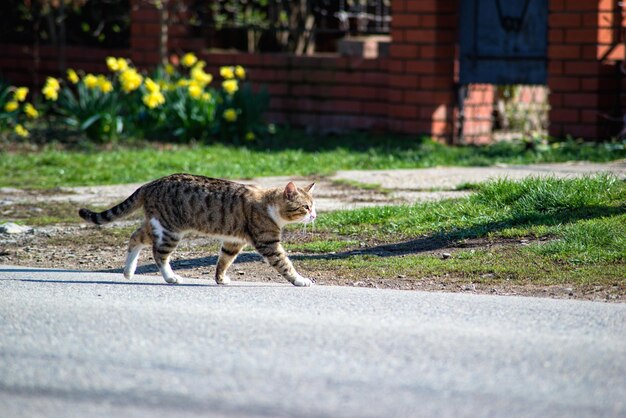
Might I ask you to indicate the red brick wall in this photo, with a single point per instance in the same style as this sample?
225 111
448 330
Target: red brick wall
25 65
478 114
411 91
421 67
584 45
327 94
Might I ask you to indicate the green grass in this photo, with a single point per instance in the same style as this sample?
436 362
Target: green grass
322 246
589 241
537 205
580 223
291 153
496 266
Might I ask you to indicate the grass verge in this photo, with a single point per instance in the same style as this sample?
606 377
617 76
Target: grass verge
540 231
288 154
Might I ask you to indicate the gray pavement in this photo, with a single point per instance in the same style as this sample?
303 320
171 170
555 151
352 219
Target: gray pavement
90 344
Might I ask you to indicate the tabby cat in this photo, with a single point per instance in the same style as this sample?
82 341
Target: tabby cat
237 214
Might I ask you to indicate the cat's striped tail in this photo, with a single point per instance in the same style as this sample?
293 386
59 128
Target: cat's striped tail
127 207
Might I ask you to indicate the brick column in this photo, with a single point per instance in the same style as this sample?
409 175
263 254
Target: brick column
584 47
421 67
144 34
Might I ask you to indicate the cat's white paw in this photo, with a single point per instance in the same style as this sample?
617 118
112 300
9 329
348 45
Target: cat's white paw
174 279
223 280
302 282
128 275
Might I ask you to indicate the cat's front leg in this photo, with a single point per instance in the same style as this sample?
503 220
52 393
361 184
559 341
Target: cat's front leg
276 256
302 281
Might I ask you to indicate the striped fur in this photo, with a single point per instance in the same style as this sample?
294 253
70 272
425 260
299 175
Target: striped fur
238 214
125 208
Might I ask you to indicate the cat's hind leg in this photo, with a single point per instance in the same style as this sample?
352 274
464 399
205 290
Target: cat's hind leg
141 238
164 242
228 253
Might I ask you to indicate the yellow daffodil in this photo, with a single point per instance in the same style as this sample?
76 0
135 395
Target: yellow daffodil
11 106
122 64
230 86
72 76
131 80
183 82
169 69
51 88
240 72
50 93
20 94
117 64
21 131
104 84
151 85
230 115
112 64
198 75
227 72
30 111
195 90
153 99
189 59
53 82
250 136
206 96
90 81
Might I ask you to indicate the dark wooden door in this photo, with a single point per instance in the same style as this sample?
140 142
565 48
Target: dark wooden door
503 41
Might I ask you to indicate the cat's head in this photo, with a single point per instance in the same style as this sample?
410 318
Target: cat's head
296 205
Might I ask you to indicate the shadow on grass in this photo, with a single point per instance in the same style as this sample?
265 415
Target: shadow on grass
437 241
442 240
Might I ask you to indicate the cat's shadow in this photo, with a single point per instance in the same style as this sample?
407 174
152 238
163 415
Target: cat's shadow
186 263
386 250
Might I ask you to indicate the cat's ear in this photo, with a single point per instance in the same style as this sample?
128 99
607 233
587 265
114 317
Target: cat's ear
310 188
290 191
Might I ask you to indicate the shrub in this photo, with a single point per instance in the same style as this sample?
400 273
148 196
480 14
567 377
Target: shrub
16 113
177 102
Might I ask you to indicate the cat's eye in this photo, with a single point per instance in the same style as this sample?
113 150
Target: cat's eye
306 207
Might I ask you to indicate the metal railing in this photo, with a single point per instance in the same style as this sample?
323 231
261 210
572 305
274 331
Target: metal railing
300 27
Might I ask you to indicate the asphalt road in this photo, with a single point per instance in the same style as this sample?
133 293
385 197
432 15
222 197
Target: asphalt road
95 345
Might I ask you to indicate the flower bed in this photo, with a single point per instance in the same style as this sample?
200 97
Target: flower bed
177 102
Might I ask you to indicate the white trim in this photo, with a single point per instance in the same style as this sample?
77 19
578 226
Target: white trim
157 230
275 215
